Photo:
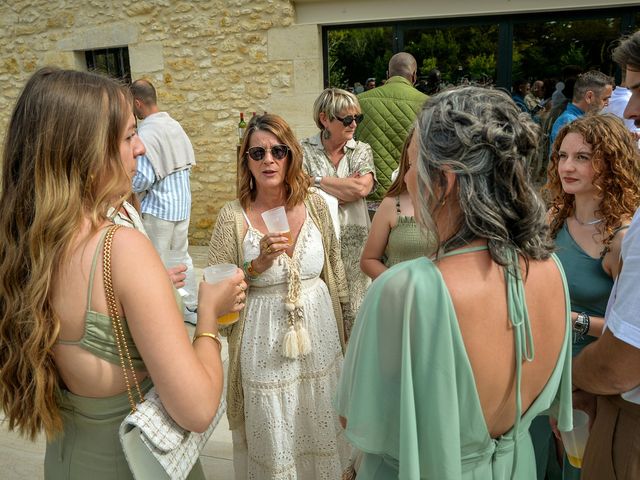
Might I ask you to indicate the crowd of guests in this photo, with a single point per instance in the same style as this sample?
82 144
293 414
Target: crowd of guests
554 103
434 342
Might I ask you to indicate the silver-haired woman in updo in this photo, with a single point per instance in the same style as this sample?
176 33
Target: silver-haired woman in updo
343 168
441 378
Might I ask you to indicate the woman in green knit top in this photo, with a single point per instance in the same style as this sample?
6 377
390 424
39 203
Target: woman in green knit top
394 236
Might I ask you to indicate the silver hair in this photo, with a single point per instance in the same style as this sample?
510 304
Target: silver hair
481 136
333 102
591 80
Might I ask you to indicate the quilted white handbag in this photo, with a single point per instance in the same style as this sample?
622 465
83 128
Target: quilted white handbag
174 448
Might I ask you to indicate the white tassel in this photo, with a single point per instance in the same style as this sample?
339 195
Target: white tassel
304 342
290 344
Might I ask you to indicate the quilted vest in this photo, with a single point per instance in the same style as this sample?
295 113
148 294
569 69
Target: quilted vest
389 112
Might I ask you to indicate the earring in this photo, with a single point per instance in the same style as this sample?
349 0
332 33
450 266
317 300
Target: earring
326 134
251 182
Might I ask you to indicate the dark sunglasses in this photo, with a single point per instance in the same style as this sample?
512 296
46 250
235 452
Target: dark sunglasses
346 121
278 152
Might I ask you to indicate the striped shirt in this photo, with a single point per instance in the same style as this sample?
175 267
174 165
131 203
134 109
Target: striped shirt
168 199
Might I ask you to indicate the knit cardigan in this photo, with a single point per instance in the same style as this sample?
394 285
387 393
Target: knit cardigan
226 247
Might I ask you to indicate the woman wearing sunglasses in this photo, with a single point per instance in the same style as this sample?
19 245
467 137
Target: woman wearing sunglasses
285 352
343 167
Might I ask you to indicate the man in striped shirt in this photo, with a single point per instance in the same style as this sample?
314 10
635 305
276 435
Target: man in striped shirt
163 178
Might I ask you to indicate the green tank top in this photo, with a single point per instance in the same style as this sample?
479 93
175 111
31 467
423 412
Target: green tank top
406 240
98 337
589 285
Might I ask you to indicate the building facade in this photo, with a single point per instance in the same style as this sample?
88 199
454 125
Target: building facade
212 59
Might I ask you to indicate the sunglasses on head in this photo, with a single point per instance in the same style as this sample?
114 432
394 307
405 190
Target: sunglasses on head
278 152
346 121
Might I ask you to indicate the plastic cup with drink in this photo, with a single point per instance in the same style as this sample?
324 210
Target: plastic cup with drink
174 258
575 440
215 274
276 222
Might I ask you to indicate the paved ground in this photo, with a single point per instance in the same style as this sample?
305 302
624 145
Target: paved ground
21 459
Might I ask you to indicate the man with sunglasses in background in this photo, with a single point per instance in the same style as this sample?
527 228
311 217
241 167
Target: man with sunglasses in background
162 176
389 112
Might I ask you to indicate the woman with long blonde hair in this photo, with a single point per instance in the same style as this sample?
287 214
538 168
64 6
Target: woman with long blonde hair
70 151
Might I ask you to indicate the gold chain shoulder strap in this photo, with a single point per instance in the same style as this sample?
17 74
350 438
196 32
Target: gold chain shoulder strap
125 359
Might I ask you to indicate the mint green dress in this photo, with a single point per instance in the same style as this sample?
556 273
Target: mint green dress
408 391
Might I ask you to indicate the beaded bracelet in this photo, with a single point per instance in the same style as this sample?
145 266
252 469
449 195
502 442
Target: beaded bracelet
249 271
213 336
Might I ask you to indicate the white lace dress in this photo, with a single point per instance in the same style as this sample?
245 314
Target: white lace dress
291 430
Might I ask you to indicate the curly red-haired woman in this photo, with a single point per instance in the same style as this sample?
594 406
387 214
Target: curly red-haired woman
594 182
594 179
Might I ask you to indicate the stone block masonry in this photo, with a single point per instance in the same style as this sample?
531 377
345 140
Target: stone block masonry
208 59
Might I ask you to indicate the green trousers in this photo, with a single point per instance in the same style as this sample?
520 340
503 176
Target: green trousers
89 446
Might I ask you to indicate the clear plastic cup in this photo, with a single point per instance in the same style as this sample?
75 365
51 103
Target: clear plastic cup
215 274
174 258
276 221
575 440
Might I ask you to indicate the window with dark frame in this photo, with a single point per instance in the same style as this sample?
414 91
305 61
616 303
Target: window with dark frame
486 50
110 61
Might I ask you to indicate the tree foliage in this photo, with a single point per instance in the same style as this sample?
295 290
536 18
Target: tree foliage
356 54
542 49
470 52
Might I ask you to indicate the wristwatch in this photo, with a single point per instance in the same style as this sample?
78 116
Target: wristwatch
316 181
581 325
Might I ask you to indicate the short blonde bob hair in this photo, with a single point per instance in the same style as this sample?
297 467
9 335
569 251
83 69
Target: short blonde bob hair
333 102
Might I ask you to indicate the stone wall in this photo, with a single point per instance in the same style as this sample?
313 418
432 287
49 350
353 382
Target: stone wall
208 59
